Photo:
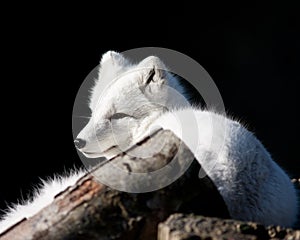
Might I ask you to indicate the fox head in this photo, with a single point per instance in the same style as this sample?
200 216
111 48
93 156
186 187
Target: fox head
125 100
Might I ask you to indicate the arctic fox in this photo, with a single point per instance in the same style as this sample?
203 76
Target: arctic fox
252 185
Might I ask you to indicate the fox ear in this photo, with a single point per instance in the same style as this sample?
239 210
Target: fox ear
112 64
112 59
154 70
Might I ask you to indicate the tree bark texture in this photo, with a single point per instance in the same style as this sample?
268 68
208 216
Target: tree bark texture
92 210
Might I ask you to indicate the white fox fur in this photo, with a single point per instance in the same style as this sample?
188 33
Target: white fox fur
42 196
253 186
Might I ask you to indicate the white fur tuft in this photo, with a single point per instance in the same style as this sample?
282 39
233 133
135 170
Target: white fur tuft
42 197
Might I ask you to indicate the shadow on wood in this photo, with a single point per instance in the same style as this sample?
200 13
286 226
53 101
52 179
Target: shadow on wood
182 227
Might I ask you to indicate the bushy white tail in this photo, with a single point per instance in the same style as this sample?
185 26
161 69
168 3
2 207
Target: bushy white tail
42 197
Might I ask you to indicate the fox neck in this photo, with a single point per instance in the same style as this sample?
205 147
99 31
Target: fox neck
177 98
172 98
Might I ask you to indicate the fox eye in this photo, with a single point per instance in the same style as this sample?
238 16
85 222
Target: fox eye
118 116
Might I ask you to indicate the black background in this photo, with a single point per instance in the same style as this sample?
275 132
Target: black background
251 52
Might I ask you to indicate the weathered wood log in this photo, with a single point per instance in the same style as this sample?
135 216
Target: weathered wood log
91 210
184 227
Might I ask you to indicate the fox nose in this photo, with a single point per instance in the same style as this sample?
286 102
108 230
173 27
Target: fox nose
79 143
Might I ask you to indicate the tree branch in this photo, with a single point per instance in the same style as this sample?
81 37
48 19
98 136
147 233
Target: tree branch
91 210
